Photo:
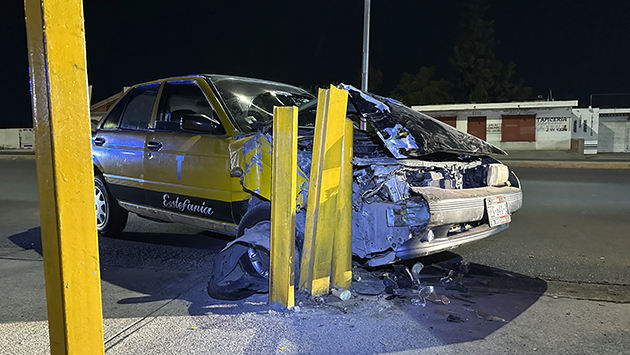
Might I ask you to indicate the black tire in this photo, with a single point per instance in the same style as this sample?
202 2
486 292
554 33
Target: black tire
110 217
243 270
230 280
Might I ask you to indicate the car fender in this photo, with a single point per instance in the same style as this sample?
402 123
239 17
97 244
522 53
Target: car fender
250 160
96 163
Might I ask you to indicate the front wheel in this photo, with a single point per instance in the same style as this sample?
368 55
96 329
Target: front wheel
110 217
240 270
243 270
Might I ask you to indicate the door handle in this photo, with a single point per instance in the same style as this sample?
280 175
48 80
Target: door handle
156 145
99 140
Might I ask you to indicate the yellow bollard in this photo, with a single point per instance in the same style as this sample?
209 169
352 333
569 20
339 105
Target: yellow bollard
283 199
321 216
342 249
56 52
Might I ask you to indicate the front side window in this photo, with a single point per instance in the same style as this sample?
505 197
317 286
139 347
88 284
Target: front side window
137 114
184 98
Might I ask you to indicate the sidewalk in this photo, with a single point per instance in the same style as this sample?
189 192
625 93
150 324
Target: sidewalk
537 317
564 159
14 154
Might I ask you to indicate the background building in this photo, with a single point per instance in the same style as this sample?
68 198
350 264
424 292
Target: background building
537 125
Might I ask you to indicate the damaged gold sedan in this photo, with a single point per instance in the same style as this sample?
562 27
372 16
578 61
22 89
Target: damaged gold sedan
197 150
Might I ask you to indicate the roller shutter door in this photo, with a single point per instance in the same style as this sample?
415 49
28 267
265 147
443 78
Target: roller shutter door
449 120
477 126
613 134
518 128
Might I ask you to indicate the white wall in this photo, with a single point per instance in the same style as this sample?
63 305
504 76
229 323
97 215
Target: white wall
553 130
553 124
585 125
16 138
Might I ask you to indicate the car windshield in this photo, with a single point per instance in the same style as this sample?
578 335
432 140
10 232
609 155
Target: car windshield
250 101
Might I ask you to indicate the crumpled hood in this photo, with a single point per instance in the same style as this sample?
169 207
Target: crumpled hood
409 134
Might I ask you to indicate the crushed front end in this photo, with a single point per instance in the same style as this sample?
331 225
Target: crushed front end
409 208
428 188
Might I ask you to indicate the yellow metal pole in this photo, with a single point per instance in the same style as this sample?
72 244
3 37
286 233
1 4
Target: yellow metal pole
283 200
342 247
323 190
308 247
56 52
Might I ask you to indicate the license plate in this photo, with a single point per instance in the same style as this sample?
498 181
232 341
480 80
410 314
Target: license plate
497 210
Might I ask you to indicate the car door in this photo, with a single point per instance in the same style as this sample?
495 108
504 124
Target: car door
119 143
186 172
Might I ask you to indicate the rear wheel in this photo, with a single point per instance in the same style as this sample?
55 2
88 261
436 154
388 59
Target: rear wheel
110 217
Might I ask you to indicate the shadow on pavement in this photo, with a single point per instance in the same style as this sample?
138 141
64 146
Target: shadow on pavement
491 298
143 272
140 272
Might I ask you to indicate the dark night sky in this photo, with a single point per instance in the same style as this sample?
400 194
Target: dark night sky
576 48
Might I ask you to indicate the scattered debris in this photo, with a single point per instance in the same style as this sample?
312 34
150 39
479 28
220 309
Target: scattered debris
457 286
368 288
426 291
439 299
390 283
336 307
463 268
418 302
400 278
487 316
454 318
423 293
343 295
415 271
442 312
448 278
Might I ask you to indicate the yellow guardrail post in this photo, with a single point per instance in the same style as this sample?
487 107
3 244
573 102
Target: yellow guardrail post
321 215
56 52
342 250
283 200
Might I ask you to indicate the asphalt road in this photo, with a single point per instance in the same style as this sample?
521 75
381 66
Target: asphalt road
573 227
150 264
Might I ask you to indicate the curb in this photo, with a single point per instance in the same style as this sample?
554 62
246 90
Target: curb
17 156
567 164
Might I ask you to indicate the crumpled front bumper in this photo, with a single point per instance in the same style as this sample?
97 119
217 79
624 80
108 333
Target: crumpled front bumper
448 207
415 248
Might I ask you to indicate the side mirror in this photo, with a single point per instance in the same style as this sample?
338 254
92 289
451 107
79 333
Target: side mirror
201 123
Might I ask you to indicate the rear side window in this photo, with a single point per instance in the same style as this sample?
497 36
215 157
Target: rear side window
137 114
113 117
